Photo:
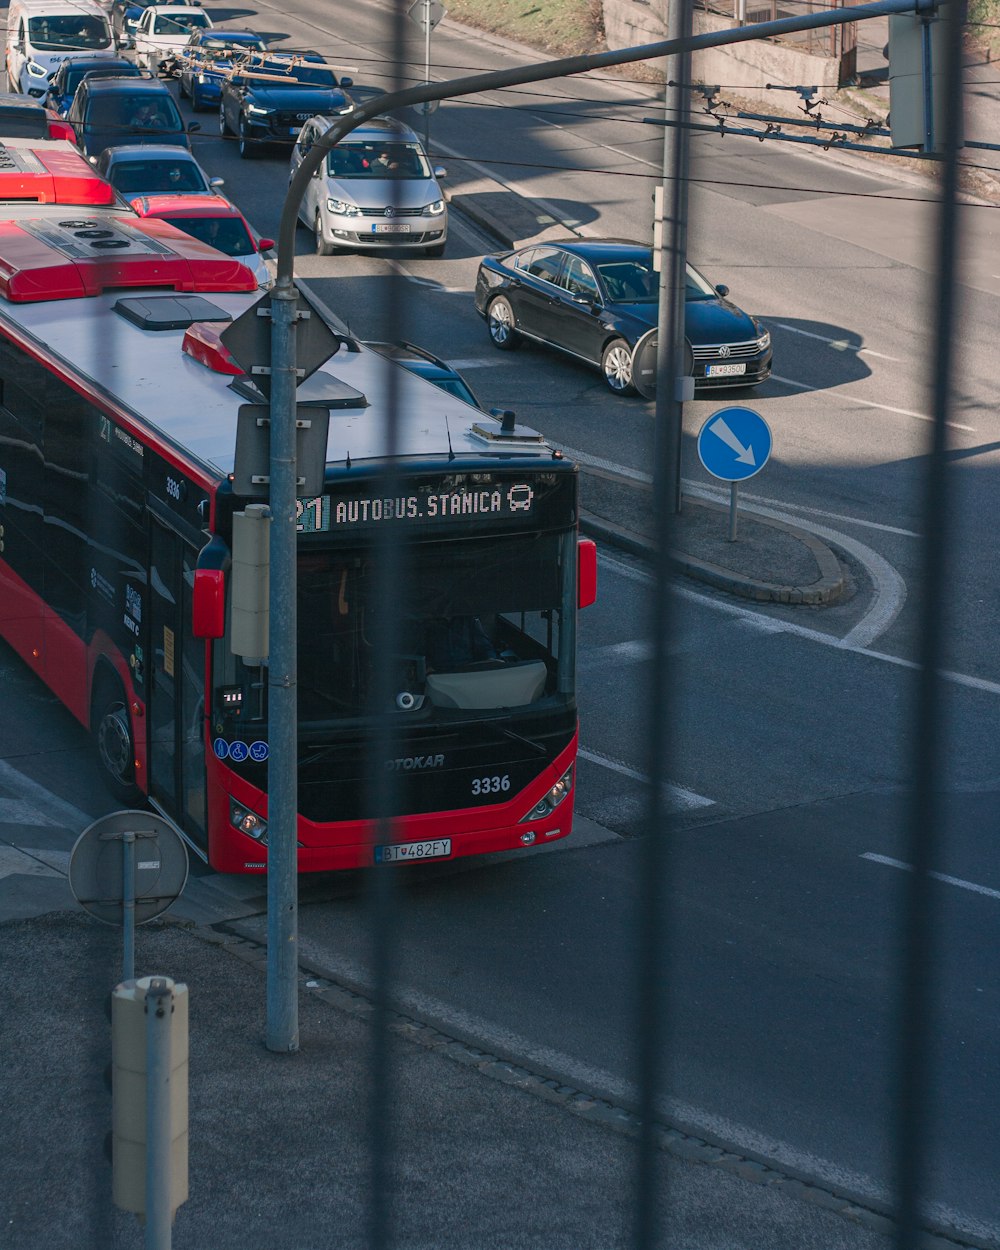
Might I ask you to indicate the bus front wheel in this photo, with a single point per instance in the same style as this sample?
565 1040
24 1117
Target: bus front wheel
112 730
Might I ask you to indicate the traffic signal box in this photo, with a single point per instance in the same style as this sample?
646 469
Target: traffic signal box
130 1091
916 74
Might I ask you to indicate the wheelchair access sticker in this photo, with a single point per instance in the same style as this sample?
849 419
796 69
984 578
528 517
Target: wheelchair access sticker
239 751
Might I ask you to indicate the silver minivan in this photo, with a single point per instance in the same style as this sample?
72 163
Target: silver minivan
375 190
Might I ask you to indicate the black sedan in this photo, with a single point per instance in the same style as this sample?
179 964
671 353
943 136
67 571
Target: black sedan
596 298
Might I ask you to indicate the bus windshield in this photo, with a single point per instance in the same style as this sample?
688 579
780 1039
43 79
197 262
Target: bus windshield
478 623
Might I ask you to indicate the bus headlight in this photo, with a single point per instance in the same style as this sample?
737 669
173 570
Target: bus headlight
248 822
552 799
36 70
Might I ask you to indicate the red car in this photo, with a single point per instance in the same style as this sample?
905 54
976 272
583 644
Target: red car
213 220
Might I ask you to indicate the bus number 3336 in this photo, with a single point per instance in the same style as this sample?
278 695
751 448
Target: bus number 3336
490 785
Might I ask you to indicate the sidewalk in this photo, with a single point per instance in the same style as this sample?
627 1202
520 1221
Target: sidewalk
487 1155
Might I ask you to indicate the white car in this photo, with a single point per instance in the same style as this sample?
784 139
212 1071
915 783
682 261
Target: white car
163 33
375 190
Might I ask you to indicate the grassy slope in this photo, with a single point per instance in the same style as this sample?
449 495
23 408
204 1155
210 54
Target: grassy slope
563 27
572 27
984 25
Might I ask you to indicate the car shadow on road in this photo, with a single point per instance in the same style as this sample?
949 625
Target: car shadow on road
815 355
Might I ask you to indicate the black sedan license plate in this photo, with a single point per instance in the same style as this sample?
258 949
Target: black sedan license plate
726 371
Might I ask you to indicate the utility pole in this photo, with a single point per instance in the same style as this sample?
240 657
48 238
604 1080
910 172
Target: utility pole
282 1032
673 385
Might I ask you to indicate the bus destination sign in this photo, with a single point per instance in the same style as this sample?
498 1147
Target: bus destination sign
429 504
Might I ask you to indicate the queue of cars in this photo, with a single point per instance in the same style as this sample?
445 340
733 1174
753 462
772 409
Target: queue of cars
593 299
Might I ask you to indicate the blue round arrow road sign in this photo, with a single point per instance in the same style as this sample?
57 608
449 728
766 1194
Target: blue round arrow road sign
734 443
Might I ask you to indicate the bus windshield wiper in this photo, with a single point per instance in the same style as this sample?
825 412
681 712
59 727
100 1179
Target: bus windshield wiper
528 742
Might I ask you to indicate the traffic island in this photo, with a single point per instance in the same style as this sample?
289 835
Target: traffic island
769 561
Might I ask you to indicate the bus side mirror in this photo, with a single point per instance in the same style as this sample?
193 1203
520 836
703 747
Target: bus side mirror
208 604
586 573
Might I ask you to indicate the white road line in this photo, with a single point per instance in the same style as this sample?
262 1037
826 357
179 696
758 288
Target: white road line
15 863
678 795
722 493
938 876
840 345
635 649
868 403
49 809
890 589
775 625
497 1037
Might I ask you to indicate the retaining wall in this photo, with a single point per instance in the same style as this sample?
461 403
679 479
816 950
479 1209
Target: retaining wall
744 68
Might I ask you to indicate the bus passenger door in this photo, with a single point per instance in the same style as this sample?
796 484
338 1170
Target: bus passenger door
176 689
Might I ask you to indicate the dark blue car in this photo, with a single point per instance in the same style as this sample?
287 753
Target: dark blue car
75 69
110 112
209 56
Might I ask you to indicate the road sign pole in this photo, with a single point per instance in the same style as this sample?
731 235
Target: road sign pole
732 512
282 769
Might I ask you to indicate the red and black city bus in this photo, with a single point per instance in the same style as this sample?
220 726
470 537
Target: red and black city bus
118 418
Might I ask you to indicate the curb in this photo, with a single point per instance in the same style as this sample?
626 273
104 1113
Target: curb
682 1143
509 217
827 589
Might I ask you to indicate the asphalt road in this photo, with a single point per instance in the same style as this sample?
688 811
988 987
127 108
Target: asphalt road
792 728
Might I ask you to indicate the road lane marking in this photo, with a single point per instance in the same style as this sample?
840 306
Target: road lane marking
938 876
679 796
48 808
16 863
775 625
890 589
868 403
637 475
840 345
